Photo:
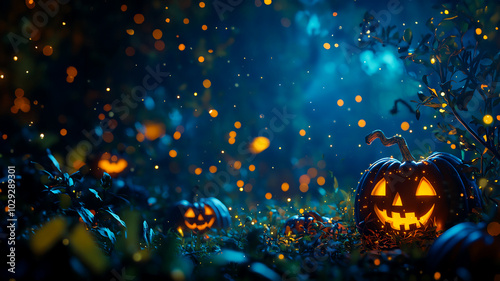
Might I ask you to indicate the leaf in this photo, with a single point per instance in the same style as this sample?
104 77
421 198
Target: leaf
421 96
116 217
104 231
53 160
464 99
86 215
424 79
430 24
335 183
433 105
417 114
95 193
408 35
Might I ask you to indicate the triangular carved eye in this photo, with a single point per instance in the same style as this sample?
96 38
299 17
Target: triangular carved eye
425 188
379 189
189 213
208 210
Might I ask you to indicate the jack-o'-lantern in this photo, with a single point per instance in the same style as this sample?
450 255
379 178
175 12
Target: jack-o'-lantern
403 196
468 249
112 164
199 216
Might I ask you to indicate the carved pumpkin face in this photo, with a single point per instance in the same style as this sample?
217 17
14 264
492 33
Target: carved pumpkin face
403 196
199 216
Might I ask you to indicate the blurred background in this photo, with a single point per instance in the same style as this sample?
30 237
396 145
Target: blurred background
170 95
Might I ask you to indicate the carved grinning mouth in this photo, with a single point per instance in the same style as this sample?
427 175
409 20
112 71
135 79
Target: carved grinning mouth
399 222
200 226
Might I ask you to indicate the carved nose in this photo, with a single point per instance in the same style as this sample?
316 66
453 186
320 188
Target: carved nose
200 217
397 200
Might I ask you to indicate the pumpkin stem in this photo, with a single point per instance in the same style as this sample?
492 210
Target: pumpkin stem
403 146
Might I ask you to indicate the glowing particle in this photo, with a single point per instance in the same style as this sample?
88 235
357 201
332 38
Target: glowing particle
304 179
157 34
198 171
108 89
478 31
156 167
212 169
130 51
498 117
485 37
15 58
446 12
204 27
231 140
130 32
340 102
237 165
177 135
312 172
285 186
336 45
487 119
237 124
302 132
321 181
281 256
326 46
405 126
304 188
123 8
63 132
433 60
259 144
268 2
437 275
376 262
71 71
139 18
359 98
159 45
493 228
202 5
251 168
334 14
232 134
207 83
47 50
182 47
453 146
185 21
201 59
240 183
213 113
269 195
361 123
42 136
172 153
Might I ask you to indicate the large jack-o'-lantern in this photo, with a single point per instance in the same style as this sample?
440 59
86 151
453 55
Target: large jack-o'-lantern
403 196
199 216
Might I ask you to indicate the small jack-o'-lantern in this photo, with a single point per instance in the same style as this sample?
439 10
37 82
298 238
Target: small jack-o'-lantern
404 196
112 164
199 216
